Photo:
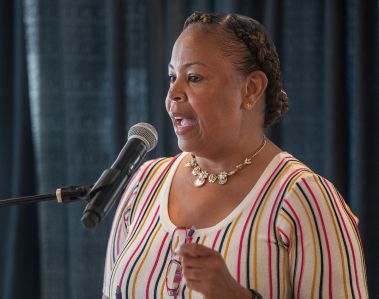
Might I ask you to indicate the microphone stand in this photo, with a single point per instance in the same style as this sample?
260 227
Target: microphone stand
62 195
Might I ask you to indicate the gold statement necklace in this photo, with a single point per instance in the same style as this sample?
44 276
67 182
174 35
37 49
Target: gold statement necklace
201 176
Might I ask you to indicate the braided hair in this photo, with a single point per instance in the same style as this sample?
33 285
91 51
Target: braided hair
251 49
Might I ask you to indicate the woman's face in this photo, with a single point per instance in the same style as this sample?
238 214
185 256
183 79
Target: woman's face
204 100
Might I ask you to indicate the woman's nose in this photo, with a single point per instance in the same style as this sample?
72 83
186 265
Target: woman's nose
176 93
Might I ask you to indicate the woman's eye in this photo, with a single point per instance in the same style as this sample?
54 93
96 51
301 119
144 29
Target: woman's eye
193 78
171 78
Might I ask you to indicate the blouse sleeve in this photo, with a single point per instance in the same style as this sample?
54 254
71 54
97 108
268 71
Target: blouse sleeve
119 230
322 238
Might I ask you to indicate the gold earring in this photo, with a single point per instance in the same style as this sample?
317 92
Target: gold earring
248 106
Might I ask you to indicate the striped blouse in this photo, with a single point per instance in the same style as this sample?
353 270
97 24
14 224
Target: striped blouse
292 236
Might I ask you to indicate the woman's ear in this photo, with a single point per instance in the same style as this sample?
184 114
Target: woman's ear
254 89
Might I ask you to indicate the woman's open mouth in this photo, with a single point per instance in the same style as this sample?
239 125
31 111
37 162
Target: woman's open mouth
181 122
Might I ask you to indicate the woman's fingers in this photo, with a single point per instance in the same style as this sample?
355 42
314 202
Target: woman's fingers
206 272
194 262
195 250
192 274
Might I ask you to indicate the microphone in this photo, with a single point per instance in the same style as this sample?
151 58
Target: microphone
142 138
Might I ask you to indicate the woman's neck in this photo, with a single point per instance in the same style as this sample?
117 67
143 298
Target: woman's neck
228 157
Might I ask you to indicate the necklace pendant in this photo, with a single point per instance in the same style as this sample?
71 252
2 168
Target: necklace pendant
191 163
201 178
199 182
212 178
196 171
222 178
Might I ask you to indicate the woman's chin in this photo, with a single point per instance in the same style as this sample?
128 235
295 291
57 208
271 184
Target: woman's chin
188 138
183 145
188 145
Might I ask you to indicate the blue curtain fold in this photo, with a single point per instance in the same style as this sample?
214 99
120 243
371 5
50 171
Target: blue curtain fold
76 74
19 248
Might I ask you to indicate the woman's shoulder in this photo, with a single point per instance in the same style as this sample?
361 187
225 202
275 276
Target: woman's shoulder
306 188
288 170
296 175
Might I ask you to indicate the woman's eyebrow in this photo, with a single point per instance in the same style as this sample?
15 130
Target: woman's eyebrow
187 64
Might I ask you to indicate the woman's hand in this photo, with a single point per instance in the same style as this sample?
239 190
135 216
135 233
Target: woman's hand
206 272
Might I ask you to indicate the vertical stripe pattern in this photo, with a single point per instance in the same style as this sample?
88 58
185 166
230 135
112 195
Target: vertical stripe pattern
292 236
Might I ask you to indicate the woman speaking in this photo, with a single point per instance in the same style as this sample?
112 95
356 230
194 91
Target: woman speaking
233 215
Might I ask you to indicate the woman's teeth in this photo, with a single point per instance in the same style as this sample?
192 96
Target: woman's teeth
185 122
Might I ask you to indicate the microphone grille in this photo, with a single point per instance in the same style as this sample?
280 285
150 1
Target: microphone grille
145 132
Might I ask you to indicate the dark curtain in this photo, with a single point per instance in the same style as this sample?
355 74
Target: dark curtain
76 74
19 247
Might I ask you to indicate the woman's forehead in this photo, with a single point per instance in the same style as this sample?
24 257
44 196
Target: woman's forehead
196 45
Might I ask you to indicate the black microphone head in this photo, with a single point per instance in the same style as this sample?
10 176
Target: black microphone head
145 132
112 182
